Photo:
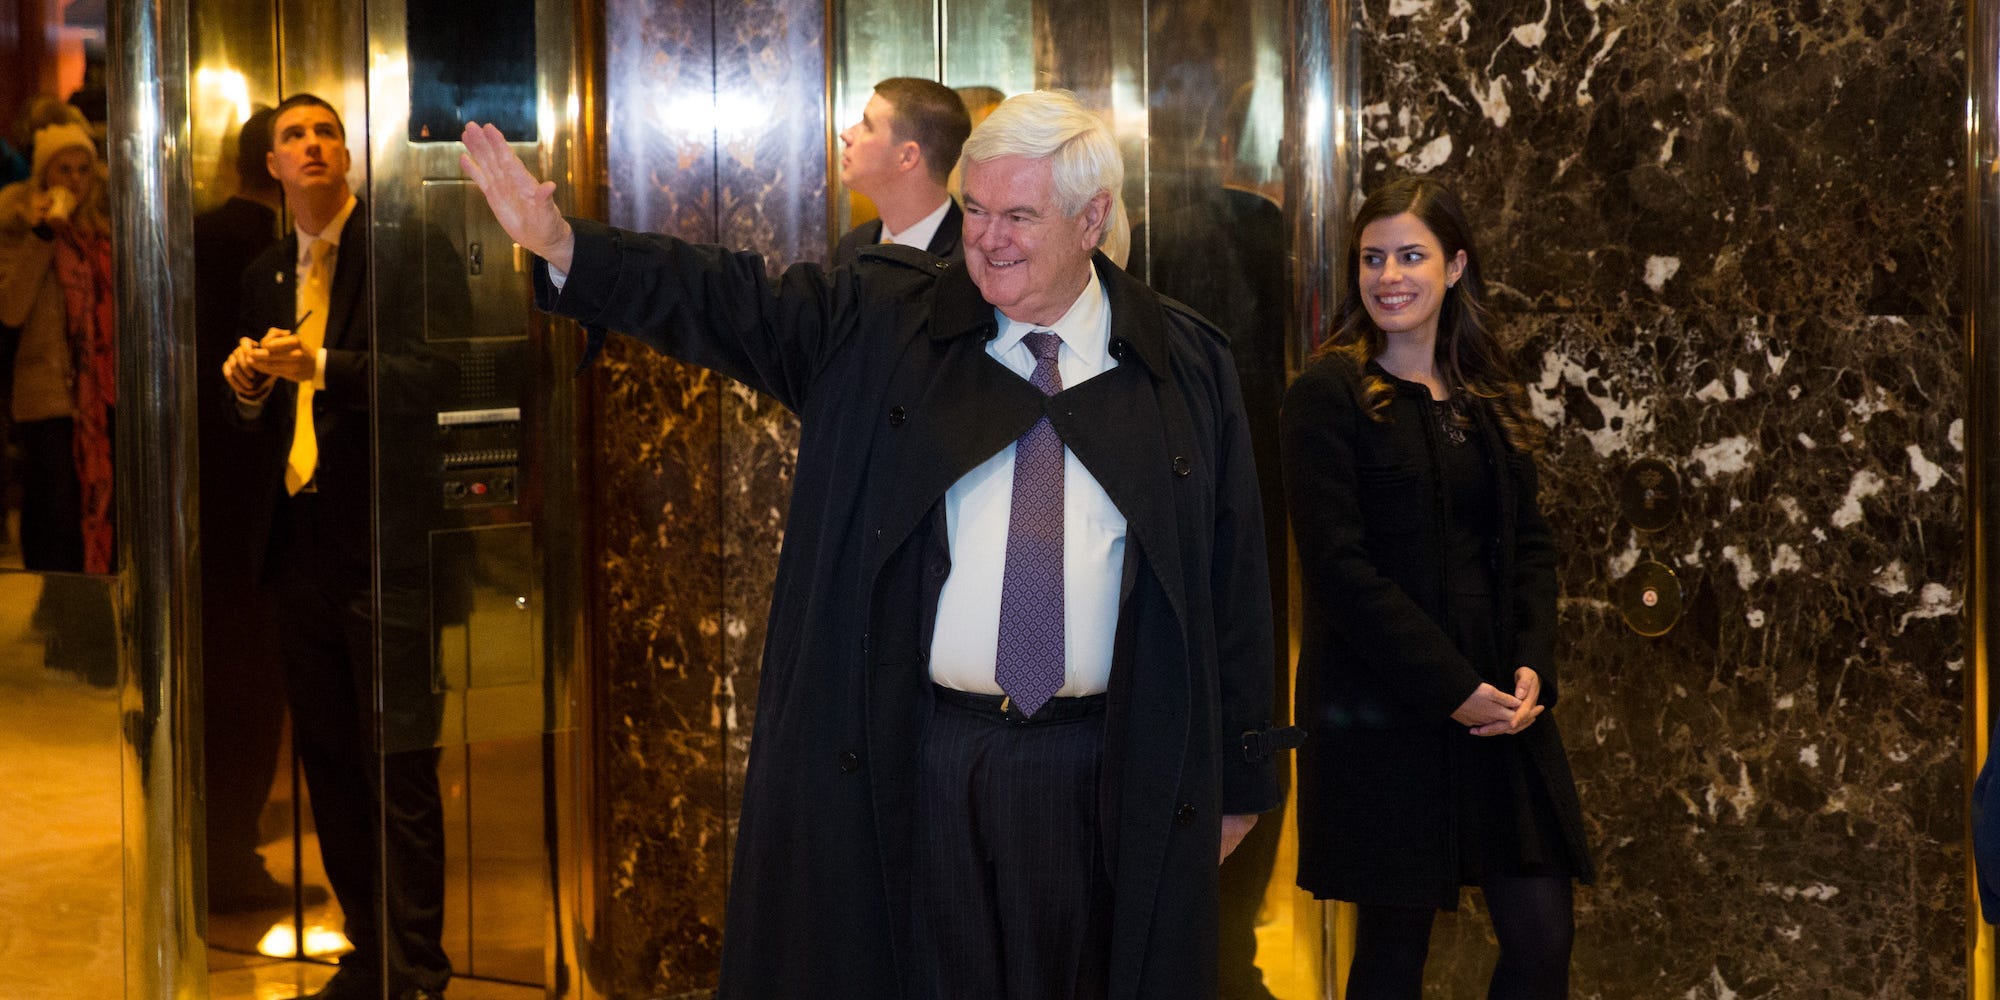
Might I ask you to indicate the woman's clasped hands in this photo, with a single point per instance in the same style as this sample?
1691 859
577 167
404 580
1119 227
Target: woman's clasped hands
1493 712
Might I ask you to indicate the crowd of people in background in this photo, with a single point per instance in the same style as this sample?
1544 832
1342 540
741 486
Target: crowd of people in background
58 370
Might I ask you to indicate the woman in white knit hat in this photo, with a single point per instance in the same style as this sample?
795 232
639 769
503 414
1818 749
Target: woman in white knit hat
55 285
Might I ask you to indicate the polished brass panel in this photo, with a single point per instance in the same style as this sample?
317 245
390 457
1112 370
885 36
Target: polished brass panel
1323 135
233 49
477 477
986 45
157 606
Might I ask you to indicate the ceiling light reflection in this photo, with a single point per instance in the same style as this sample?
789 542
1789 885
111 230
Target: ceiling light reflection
281 942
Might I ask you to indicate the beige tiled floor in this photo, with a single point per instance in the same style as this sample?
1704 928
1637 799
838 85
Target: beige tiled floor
61 913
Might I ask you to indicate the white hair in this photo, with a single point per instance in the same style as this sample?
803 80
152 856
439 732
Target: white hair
1083 155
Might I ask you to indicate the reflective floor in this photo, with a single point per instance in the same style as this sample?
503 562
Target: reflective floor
61 918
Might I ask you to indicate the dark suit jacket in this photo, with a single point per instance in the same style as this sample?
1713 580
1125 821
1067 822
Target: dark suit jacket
945 243
340 412
226 239
1379 676
885 364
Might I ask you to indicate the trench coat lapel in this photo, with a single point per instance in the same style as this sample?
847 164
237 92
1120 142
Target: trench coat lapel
1115 426
973 406
968 407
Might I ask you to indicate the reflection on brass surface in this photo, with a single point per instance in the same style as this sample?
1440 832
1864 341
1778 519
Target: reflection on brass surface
155 466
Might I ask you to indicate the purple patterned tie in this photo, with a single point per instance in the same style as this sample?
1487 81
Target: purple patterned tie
1029 665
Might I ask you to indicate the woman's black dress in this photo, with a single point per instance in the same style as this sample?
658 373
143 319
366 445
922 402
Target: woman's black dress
1507 825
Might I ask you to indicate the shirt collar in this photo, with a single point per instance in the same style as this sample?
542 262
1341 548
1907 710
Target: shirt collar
330 234
921 232
1084 329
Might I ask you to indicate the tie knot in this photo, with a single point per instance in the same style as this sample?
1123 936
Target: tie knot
318 254
1044 344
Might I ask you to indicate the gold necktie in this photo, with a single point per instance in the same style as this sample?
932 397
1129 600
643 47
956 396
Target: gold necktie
312 303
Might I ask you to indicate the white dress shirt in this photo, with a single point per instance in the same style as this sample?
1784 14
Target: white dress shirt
967 637
919 234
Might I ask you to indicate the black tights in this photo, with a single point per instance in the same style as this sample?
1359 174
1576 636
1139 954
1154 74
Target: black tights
1531 916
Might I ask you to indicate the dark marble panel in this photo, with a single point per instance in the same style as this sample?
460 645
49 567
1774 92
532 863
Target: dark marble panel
659 500
1773 789
660 73
771 177
661 756
1744 157
695 469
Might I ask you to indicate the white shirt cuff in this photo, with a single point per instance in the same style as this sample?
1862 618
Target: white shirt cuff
557 277
319 370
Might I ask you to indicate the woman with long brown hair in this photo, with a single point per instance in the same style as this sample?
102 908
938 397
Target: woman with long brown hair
1427 671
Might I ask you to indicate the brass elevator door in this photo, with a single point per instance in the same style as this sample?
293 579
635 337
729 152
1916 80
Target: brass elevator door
473 570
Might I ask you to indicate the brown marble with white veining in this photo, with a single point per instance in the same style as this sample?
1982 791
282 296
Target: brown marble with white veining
693 469
1724 235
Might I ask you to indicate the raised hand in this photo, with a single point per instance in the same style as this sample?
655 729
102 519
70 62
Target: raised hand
524 206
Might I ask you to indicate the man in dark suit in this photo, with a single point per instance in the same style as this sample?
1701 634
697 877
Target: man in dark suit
303 378
899 155
241 682
1017 686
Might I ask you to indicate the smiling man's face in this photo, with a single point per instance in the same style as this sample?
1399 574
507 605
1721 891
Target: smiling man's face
1029 260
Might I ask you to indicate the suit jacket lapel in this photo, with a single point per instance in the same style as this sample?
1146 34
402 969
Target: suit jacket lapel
945 242
346 321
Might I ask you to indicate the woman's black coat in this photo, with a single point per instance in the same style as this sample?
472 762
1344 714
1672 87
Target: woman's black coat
1378 677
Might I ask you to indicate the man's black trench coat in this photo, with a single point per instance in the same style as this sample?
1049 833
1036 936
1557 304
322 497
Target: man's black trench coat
885 364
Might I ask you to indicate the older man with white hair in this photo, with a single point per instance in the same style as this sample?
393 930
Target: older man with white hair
1016 686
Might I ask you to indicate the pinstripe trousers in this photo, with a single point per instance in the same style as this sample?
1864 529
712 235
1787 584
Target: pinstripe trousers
1011 899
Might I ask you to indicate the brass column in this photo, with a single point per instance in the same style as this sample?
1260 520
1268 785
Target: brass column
157 597
1323 134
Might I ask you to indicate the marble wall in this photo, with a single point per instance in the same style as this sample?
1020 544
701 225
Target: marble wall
1725 235
691 469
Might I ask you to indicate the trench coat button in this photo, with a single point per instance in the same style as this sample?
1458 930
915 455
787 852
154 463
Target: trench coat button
897 416
1181 466
1118 349
1184 815
849 762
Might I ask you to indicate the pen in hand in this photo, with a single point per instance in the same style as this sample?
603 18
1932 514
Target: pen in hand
259 378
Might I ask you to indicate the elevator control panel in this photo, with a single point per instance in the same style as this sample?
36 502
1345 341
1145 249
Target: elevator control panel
480 457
